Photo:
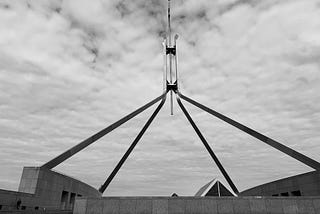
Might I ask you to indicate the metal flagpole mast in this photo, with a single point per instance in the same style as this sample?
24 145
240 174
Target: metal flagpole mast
170 57
165 67
171 83
176 59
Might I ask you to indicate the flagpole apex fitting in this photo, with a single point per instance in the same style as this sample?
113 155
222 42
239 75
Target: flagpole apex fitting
172 86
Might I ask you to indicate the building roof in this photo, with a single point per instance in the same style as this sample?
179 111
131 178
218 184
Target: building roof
215 188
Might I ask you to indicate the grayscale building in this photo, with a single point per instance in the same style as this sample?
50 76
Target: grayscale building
215 188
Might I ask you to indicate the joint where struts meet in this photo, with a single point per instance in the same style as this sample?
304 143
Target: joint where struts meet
172 86
171 50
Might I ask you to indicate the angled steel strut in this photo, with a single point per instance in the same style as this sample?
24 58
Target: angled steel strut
292 153
67 154
205 143
130 149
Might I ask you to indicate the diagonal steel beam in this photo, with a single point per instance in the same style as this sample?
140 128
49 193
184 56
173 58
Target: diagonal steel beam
130 149
67 154
292 153
205 143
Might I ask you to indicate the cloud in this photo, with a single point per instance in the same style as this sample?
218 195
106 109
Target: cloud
70 68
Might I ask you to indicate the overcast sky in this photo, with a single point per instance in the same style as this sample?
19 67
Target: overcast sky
70 68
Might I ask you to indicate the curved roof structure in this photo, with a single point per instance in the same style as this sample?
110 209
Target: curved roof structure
215 188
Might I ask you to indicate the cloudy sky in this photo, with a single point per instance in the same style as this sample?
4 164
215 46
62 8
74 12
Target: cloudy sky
70 68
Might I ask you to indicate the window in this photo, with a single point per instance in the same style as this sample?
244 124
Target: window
0 207
296 193
64 200
23 207
79 195
72 199
285 194
36 208
275 195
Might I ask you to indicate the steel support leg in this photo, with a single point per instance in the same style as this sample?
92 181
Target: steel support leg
205 143
134 143
67 154
292 153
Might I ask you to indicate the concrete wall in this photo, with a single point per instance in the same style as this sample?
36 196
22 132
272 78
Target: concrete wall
47 189
8 199
199 205
308 184
36 212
